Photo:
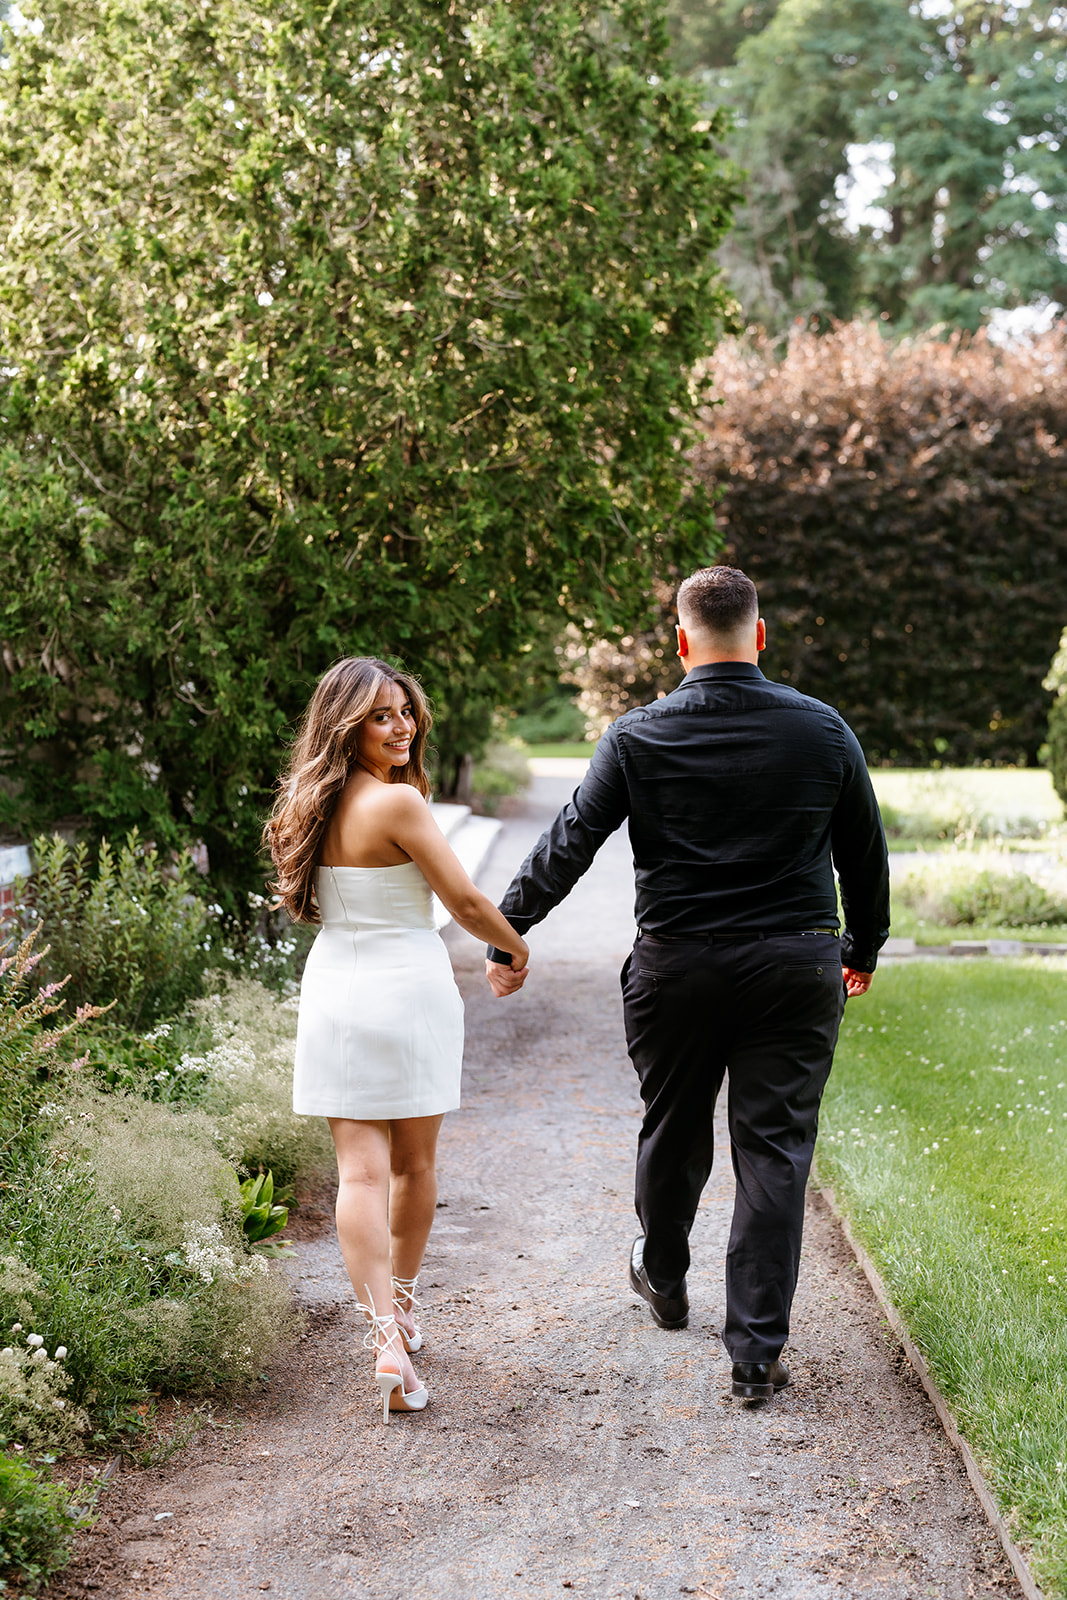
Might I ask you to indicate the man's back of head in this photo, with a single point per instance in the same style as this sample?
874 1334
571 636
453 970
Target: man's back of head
718 617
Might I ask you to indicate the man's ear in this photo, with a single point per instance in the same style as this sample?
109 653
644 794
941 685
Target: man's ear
683 642
761 634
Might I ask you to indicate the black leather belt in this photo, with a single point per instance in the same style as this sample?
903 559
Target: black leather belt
731 938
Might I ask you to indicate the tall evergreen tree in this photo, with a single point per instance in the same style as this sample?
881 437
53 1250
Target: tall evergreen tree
968 108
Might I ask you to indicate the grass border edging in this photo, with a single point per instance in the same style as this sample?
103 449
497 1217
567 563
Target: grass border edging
985 1495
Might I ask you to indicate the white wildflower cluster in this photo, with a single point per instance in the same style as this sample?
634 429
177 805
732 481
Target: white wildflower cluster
228 1059
32 1394
249 1088
212 1259
19 1283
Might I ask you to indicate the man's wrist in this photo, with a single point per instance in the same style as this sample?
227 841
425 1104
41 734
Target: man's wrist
502 958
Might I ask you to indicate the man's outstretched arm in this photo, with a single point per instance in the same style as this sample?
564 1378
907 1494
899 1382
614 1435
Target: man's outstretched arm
563 853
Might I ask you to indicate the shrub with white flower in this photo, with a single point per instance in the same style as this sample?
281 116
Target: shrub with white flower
19 1283
212 1259
249 1070
33 1402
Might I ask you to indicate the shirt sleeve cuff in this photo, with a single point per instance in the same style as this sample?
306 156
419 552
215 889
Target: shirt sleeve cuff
857 957
501 957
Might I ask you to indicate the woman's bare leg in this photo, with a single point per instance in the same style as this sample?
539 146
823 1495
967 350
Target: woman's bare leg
412 1196
363 1217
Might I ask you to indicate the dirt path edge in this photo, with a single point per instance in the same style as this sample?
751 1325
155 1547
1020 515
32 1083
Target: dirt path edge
986 1498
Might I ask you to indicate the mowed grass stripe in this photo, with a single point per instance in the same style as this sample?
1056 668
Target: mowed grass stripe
944 1135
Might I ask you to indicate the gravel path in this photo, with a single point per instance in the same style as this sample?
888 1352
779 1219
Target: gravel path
570 1444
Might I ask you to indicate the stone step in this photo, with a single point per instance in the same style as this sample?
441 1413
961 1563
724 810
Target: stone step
14 863
471 838
449 818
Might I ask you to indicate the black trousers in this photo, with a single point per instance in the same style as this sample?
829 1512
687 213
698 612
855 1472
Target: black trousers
769 1010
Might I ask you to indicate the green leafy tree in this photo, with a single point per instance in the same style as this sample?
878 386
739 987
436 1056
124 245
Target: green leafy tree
966 109
328 329
977 206
795 86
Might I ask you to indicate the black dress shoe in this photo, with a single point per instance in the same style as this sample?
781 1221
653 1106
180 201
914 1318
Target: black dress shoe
670 1311
759 1380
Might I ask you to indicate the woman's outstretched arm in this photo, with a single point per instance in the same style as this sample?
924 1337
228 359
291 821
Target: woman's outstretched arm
412 827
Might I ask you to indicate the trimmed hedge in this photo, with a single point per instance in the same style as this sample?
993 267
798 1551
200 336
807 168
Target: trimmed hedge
903 510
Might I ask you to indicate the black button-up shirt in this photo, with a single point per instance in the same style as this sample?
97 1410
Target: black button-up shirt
742 796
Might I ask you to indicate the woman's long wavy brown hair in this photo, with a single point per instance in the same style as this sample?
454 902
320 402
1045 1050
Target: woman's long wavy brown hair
319 764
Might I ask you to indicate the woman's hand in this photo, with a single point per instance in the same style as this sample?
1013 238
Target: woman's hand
506 980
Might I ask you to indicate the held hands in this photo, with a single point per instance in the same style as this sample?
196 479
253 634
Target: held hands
505 980
856 983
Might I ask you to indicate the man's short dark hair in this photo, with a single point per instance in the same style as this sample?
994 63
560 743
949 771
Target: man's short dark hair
718 600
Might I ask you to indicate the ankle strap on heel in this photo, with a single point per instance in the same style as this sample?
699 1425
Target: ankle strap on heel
381 1328
404 1293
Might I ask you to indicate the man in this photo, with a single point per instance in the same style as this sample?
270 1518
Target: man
742 796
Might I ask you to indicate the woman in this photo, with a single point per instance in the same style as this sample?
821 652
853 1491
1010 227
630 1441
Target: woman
380 1034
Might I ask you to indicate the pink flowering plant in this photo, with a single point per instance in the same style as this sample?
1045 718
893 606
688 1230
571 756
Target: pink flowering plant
32 1029
122 923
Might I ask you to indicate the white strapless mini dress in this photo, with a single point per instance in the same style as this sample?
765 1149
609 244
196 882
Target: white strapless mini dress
380 1028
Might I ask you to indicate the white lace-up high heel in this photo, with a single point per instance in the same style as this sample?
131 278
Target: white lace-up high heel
382 1333
404 1297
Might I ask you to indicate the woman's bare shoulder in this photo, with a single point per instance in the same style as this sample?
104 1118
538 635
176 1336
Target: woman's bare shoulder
396 800
384 797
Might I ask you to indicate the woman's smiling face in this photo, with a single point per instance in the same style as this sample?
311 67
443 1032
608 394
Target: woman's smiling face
383 740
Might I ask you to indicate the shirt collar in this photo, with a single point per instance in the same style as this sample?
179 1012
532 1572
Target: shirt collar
722 669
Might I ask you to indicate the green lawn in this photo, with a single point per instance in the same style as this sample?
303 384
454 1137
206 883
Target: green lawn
1006 794
575 752
944 1135
906 925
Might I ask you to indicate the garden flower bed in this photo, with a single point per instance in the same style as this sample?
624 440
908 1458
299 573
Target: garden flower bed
132 1256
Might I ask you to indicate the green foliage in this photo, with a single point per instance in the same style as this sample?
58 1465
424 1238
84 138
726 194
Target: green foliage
262 1212
944 1133
368 327
124 1262
1055 751
551 718
901 511
126 930
37 1520
263 946
502 772
154 1065
964 109
970 889
632 667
